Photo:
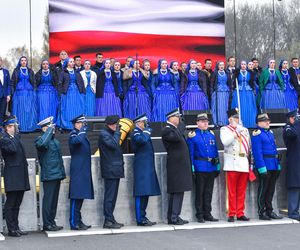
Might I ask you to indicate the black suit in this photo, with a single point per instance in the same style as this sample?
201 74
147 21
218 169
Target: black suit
16 179
294 79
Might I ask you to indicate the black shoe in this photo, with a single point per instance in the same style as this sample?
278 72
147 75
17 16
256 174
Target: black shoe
84 226
50 228
22 232
145 223
14 234
152 222
210 218
178 222
243 218
78 228
275 216
201 220
58 227
111 225
120 224
264 217
230 219
184 221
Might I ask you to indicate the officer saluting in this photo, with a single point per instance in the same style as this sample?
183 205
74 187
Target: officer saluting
16 180
236 141
81 183
52 172
179 172
206 166
291 137
267 164
145 178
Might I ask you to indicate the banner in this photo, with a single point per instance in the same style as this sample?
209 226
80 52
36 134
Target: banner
172 29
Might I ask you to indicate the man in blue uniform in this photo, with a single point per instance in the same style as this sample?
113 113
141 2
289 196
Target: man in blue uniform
112 168
52 172
145 178
205 165
291 137
267 163
81 184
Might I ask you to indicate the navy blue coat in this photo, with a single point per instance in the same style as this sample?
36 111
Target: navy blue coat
81 183
111 155
291 137
5 85
145 178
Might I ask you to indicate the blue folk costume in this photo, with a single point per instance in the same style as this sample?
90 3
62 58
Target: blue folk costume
177 78
72 93
24 98
137 94
194 90
220 84
119 75
271 88
290 93
246 87
89 79
47 96
108 100
164 94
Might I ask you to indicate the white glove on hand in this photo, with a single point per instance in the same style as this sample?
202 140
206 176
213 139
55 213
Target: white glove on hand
239 128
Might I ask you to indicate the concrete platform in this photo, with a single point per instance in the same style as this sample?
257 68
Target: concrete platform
2 237
166 227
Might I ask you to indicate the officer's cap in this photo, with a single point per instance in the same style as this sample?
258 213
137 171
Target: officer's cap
233 113
9 120
140 118
263 117
292 113
79 118
46 122
172 113
112 119
202 117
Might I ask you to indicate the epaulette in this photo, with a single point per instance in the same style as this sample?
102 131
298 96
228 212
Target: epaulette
271 131
191 134
256 132
212 132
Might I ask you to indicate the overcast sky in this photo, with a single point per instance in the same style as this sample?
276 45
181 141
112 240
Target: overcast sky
14 20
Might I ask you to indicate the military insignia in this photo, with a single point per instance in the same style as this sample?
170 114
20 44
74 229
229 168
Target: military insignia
271 131
191 134
212 132
212 142
256 132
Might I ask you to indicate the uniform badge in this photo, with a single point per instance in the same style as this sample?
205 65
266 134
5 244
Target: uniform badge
256 132
212 142
191 134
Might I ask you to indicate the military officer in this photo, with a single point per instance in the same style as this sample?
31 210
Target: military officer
267 164
112 168
52 172
16 180
145 178
206 166
81 183
236 141
291 137
179 167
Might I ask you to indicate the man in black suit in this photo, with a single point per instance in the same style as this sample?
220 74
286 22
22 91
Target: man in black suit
16 180
5 90
179 167
295 75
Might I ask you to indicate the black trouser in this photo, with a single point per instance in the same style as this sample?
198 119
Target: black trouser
266 191
110 197
12 208
204 191
141 203
50 199
3 104
175 205
75 213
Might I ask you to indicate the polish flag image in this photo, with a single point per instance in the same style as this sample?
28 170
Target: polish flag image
170 29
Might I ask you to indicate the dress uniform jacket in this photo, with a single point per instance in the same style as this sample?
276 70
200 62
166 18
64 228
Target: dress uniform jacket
291 137
264 150
15 170
145 178
81 184
236 150
179 168
202 145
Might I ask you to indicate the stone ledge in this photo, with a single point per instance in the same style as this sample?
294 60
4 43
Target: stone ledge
2 237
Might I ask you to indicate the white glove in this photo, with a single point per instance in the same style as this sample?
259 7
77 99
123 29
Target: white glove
239 128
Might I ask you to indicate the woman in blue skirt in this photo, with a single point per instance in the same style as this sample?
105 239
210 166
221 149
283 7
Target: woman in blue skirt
24 96
47 96
194 88
164 93
89 78
107 93
291 97
137 92
246 86
72 94
220 84
271 88
174 69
